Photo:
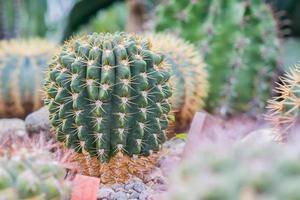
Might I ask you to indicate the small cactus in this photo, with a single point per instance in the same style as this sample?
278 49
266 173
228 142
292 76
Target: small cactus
32 176
238 40
108 100
285 108
236 172
22 63
189 78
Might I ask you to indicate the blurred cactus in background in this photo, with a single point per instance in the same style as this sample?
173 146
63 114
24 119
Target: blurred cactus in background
259 171
111 20
285 108
29 175
238 39
108 100
189 76
22 18
22 63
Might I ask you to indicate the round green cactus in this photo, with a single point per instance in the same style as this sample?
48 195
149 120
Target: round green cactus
285 108
238 40
189 78
32 176
22 63
264 171
108 93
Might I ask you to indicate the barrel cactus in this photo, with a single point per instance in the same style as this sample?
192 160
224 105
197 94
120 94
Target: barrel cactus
22 63
285 108
226 173
32 176
238 39
189 78
108 100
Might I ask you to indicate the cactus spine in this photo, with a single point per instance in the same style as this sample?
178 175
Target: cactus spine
189 78
108 99
285 108
32 176
238 39
226 173
21 70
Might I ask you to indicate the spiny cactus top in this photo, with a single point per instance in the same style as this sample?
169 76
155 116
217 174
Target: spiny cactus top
238 39
189 78
108 93
32 176
261 171
22 63
285 108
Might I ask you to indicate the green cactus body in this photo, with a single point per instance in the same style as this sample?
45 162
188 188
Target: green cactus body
22 63
236 172
284 108
238 39
189 78
108 94
32 176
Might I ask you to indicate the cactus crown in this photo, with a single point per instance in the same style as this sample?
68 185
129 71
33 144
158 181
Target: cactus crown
236 172
189 78
108 93
285 108
238 40
32 176
22 63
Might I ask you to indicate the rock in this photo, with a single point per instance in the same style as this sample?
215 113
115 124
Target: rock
144 195
120 196
129 186
139 186
105 193
265 135
117 187
155 176
12 126
133 194
38 121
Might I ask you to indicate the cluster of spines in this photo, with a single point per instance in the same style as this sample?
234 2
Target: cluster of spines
223 172
285 108
107 93
253 32
21 69
29 175
189 78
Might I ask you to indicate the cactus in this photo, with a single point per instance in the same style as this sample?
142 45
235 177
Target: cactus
189 76
284 108
32 176
108 100
226 173
238 39
21 73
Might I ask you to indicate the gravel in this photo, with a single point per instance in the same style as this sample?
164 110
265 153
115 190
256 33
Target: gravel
154 184
105 193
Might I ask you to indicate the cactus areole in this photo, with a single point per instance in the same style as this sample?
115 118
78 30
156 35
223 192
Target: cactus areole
108 94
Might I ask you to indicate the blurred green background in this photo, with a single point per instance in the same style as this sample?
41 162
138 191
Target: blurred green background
57 20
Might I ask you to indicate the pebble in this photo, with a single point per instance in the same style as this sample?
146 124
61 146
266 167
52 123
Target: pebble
133 194
105 193
120 196
12 126
38 121
139 187
145 195
117 187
